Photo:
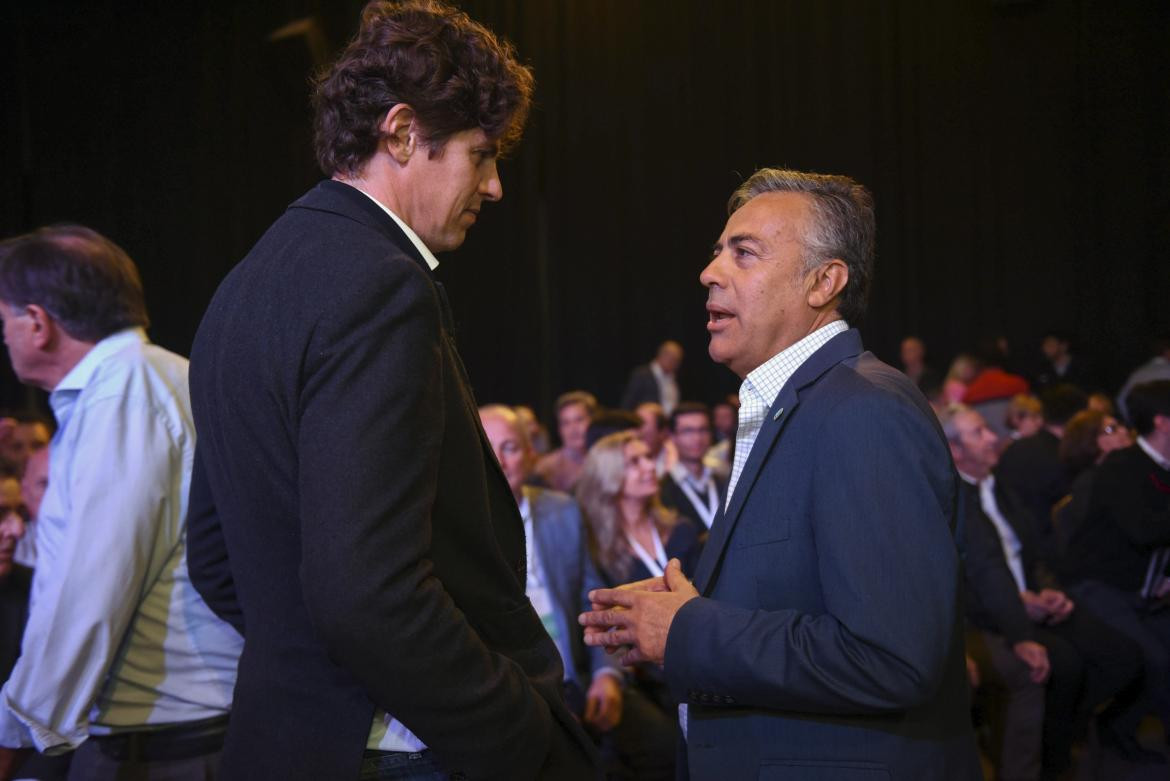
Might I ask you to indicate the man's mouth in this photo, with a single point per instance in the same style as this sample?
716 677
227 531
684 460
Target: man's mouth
717 316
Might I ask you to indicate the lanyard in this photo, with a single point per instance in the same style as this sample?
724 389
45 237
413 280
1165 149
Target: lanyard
656 563
707 512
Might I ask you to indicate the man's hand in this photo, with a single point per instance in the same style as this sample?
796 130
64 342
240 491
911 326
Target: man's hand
603 703
637 618
1058 604
10 761
1036 657
1035 607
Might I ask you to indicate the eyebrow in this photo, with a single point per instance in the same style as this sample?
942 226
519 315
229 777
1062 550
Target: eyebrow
739 238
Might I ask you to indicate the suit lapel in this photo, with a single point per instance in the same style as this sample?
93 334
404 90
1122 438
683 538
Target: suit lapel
841 347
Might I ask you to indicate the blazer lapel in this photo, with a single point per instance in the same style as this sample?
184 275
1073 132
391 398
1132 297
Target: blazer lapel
840 348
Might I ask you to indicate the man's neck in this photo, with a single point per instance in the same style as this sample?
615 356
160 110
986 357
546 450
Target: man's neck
1159 442
69 353
633 512
695 468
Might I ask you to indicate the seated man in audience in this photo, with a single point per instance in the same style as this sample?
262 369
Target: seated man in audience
655 434
1117 549
561 468
560 573
122 660
1157 368
33 484
1089 664
15 580
913 356
656 381
691 487
1031 468
20 437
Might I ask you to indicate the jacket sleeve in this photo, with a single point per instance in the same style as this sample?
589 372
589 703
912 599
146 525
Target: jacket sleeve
371 428
207 556
881 503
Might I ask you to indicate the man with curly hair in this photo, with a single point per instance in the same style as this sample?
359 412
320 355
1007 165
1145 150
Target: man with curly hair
347 515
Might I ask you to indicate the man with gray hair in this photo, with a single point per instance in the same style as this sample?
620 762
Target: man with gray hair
823 633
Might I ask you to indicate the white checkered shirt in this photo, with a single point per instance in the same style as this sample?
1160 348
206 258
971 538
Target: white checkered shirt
761 387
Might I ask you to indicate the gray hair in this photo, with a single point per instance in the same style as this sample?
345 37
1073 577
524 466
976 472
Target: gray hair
842 227
947 419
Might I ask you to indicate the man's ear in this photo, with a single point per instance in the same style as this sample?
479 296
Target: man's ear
828 280
400 132
956 451
42 328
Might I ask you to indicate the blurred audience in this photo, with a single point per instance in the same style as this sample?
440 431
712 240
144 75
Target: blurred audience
959 376
1060 366
656 381
1026 629
654 433
914 366
1031 467
1089 436
632 537
537 433
561 468
1157 368
1115 532
33 485
691 487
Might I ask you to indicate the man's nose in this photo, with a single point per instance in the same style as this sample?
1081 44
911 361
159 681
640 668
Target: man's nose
710 276
491 187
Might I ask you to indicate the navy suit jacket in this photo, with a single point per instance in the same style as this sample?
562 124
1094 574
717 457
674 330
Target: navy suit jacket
828 643
348 516
570 574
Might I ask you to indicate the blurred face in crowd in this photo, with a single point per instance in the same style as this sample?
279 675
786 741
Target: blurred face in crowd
670 357
1028 423
1054 349
649 431
724 415
639 481
510 447
572 423
25 439
1112 436
975 453
12 517
913 352
35 480
757 297
692 436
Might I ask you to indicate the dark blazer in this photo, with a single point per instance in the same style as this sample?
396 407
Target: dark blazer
1031 469
828 642
993 599
673 496
1119 516
348 516
570 574
640 388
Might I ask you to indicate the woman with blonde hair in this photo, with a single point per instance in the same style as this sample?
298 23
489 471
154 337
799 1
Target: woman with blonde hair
632 537
632 534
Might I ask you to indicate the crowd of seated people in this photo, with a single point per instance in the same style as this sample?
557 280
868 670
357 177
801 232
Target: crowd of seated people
1065 505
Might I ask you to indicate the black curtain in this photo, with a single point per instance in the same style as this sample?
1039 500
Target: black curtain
1017 152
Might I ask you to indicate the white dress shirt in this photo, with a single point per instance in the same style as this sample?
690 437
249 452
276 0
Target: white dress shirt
1009 541
117 636
763 384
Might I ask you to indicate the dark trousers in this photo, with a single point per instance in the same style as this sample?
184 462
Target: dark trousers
1014 706
90 764
1092 664
1148 627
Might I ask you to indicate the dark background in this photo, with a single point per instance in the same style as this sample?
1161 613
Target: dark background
1017 152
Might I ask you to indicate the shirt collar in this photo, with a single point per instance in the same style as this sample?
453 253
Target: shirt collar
1157 457
78 377
428 256
767 379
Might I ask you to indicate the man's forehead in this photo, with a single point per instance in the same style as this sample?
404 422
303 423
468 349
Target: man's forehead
774 216
969 421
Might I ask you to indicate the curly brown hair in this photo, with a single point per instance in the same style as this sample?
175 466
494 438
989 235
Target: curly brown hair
452 71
